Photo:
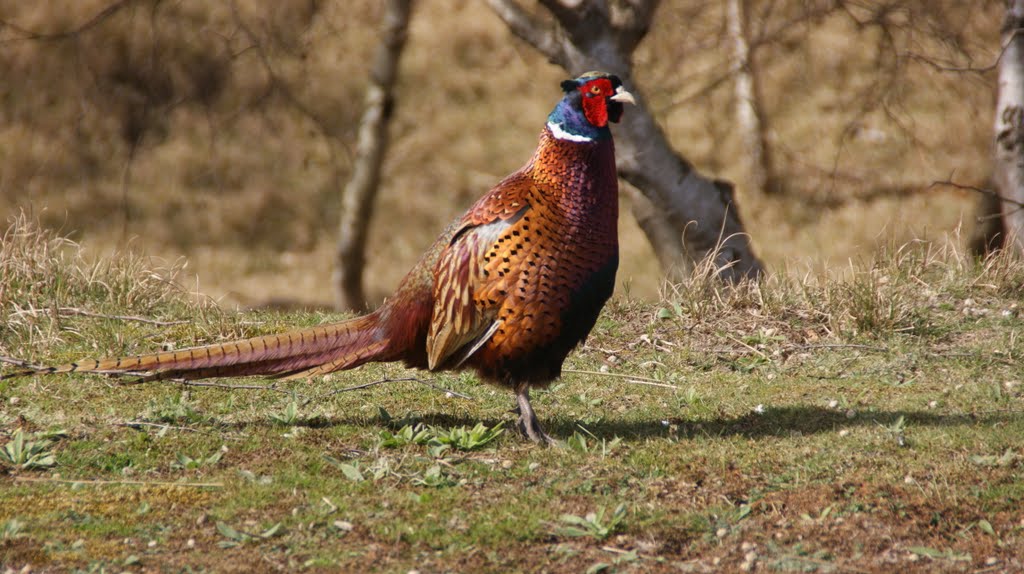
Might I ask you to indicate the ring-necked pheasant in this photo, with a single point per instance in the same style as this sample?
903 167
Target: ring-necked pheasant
509 289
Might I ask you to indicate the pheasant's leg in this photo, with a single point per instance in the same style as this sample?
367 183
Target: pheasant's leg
528 423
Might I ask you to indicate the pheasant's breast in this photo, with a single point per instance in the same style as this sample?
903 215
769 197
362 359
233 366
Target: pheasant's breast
536 272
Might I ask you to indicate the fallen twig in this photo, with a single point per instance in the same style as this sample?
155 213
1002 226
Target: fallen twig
20 363
132 482
750 348
187 383
137 424
633 379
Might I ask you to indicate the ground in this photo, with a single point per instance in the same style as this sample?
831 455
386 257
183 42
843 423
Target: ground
869 424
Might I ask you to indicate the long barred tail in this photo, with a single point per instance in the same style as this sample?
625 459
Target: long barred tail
309 352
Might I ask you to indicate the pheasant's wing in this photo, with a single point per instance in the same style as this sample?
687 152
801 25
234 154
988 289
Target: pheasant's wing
462 320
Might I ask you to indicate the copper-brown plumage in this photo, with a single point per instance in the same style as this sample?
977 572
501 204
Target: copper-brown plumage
509 289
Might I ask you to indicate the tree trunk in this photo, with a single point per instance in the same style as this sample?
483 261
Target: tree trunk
692 217
750 122
988 234
1009 128
361 191
662 236
703 214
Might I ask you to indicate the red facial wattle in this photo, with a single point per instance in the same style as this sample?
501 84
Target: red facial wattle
595 103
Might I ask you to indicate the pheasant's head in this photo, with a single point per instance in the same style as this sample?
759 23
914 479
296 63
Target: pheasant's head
590 102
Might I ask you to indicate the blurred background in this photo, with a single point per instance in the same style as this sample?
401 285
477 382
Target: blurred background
224 132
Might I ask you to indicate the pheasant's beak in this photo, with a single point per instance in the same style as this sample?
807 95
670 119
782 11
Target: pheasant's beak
621 95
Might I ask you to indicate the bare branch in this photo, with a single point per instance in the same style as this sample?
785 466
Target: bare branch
99 18
119 482
280 86
631 379
981 190
939 66
530 29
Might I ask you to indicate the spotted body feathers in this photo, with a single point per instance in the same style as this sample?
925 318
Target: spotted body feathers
508 289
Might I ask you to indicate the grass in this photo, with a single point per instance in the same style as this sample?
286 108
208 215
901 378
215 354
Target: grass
869 422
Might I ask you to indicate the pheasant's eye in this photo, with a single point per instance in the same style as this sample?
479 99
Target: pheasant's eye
595 89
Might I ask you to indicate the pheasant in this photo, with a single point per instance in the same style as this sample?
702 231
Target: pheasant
508 289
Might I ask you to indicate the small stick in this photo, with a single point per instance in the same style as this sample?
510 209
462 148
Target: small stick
105 482
634 379
20 363
187 383
752 349
136 424
615 550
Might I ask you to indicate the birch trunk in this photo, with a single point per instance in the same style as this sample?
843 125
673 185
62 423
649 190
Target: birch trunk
358 197
758 160
1009 127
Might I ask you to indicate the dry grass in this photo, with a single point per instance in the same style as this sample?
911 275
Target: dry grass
44 277
242 134
896 291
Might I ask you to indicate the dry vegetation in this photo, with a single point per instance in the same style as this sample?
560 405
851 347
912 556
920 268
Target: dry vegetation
222 131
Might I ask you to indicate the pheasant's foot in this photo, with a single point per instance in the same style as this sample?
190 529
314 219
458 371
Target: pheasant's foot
531 430
528 425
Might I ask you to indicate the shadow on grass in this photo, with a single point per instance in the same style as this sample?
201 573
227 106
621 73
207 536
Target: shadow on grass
773 422
790 420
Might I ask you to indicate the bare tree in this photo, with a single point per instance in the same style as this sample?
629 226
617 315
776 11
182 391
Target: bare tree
1009 128
750 119
690 217
361 191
